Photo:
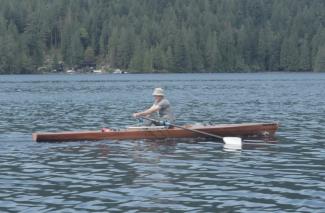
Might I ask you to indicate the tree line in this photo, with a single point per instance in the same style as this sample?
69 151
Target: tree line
162 36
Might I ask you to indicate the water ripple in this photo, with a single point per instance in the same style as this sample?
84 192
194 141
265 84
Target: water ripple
161 176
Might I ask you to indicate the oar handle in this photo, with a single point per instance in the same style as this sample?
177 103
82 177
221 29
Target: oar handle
162 123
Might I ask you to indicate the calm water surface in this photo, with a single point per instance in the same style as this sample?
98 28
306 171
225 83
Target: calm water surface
161 176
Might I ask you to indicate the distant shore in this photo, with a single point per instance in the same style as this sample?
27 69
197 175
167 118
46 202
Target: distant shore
124 73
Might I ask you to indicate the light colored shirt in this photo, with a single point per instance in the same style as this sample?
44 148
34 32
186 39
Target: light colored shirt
165 112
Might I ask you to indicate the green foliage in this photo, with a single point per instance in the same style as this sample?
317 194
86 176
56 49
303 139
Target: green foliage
304 59
163 36
89 56
320 60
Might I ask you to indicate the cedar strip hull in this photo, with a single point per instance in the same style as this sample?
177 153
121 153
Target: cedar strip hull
239 130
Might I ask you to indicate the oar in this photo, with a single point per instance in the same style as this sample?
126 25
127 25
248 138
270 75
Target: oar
233 141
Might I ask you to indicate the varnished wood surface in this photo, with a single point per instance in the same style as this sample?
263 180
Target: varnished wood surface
245 129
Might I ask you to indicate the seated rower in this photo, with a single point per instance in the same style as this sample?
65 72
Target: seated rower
160 107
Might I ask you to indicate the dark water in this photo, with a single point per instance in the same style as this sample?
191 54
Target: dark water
161 176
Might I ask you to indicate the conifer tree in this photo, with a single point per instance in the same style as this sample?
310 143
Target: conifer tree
181 36
304 58
319 65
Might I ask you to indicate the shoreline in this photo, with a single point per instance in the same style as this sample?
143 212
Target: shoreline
142 73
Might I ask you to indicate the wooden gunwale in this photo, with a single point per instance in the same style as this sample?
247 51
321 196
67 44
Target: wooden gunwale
234 130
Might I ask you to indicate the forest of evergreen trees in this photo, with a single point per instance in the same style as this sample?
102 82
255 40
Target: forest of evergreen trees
162 35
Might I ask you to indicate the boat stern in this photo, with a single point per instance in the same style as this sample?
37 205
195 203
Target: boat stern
34 136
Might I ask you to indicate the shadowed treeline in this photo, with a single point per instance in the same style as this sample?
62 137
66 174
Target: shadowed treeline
156 36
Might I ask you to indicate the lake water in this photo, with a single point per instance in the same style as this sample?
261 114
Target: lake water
161 176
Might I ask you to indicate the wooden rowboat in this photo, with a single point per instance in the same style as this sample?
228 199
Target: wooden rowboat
160 132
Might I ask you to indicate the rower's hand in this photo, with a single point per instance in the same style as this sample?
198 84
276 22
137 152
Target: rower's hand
135 115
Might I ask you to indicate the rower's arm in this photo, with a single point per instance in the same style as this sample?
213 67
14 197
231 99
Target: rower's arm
152 109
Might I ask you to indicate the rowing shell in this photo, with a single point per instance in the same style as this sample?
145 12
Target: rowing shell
160 132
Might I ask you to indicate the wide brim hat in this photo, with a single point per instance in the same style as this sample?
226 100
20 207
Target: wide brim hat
158 92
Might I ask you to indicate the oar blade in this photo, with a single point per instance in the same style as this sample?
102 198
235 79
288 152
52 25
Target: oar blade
233 142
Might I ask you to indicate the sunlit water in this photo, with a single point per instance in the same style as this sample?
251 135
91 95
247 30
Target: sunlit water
161 176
